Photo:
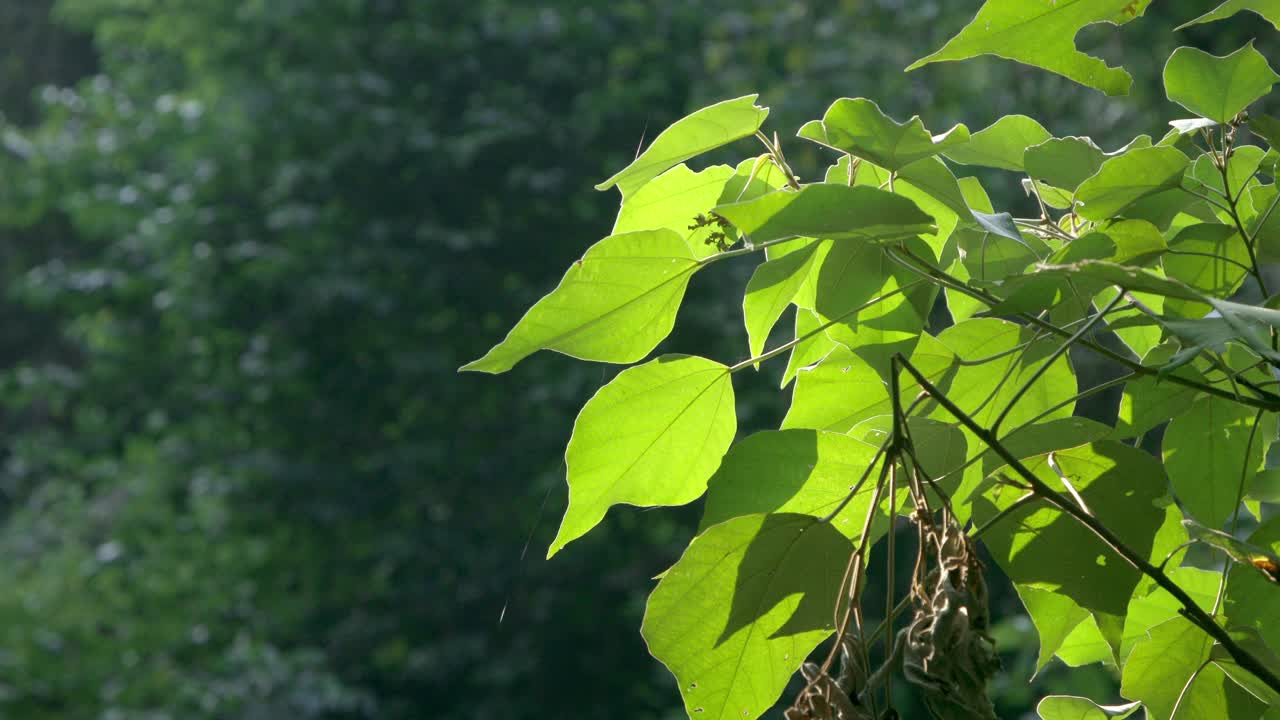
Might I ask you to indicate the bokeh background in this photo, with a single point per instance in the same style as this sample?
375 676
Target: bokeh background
244 246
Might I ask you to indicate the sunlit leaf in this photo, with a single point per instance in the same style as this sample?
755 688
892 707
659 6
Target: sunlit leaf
614 305
1169 670
829 212
809 472
1267 9
672 200
653 436
1064 162
1123 180
1043 34
744 606
692 135
1217 88
771 289
810 351
1000 145
857 126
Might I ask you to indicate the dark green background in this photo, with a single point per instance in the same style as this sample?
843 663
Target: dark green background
246 244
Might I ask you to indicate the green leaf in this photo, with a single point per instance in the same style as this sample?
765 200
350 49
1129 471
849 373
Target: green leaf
1217 88
1251 597
1170 670
979 390
849 275
1039 546
810 351
808 472
1064 162
1137 242
614 305
1107 273
1123 180
933 187
1043 34
1265 127
837 212
1000 145
772 287
1267 9
1205 455
843 390
1069 707
653 436
1054 616
1043 437
1152 605
692 135
1217 276
672 200
744 606
1149 401
857 126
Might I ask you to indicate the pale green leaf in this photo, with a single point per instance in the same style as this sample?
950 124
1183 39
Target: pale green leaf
1042 33
673 200
1217 88
810 351
653 436
831 212
613 305
1267 9
809 472
744 606
771 289
692 135
857 126
1000 145
1123 180
1064 162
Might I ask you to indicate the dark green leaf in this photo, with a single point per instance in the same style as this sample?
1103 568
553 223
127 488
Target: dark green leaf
1067 707
1064 162
1169 670
1205 456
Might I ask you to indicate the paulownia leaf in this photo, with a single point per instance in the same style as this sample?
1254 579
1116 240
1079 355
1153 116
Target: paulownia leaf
857 126
1042 547
1208 257
1149 401
1002 144
1267 9
1123 180
1064 162
810 351
848 275
1169 671
978 388
829 212
653 436
1205 455
843 390
1251 599
809 472
1070 707
1217 88
744 606
672 200
772 287
614 305
692 135
1042 33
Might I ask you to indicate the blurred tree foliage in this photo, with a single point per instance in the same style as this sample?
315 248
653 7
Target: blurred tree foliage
247 243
